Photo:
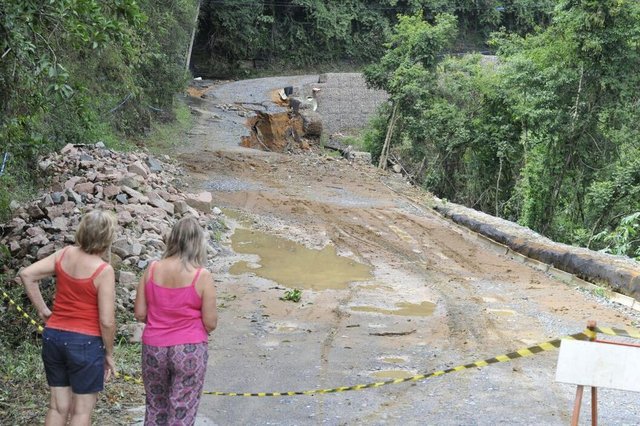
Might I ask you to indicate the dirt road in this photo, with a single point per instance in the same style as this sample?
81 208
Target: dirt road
389 289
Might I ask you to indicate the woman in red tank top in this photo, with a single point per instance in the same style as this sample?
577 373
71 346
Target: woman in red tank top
77 342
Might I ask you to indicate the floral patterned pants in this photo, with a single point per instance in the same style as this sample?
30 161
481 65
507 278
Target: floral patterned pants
173 380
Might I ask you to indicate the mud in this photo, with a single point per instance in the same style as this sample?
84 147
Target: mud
461 299
294 265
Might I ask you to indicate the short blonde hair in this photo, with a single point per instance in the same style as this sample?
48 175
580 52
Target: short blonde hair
96 231
187 241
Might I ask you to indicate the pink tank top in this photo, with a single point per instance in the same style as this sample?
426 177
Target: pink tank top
174 315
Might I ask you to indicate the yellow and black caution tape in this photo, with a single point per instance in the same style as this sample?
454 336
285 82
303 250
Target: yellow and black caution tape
622 332
22 311
520 353
587 334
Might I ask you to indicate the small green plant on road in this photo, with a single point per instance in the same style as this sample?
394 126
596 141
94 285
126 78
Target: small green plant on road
292 295
600 292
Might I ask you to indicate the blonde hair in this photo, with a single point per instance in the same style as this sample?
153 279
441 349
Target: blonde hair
96 231
187 241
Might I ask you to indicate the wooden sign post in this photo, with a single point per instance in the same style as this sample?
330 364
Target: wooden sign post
597 363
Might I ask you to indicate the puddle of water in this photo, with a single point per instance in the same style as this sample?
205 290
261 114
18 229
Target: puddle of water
392 360
293 265
423 309
243 267
392 374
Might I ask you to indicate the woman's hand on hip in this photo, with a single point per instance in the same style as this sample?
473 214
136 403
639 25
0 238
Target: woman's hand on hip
45 314
109 367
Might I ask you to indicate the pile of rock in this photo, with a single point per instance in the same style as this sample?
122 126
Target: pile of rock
142 191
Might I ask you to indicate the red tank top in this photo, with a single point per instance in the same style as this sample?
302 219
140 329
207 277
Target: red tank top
76 302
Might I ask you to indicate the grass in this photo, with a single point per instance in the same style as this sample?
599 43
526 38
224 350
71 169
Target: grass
600 292
24 393
357 143
163 137
14 186
23 387
120 395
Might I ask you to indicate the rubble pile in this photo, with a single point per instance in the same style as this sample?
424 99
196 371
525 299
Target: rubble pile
141 190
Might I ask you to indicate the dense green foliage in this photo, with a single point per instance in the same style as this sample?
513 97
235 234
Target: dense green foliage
306 32
85 70
547 133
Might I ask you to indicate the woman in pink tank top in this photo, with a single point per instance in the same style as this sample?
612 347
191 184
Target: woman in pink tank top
176 299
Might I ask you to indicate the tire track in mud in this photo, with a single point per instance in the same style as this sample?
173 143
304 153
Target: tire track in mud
372 232
349 229
459 316
468 324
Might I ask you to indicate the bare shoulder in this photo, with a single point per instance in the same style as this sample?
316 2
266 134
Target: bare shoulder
107 274
205 276
205 279
108 269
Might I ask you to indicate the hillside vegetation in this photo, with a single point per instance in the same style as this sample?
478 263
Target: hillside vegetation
546 134
237 36
82 71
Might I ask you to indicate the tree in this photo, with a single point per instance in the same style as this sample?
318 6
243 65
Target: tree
77 71
407 70
566 87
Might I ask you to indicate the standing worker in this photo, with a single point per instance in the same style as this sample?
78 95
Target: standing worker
176 298
77 342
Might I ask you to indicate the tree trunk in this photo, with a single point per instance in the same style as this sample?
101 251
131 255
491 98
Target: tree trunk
384 155
273 31
498 188
193 37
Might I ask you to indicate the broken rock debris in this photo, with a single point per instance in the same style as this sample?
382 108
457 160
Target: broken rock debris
141 190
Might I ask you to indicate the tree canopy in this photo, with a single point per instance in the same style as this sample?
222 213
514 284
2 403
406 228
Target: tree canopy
305 32
546 133
77 71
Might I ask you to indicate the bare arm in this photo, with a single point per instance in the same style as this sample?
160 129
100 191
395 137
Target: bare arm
140 306
105 283
209 304
31 276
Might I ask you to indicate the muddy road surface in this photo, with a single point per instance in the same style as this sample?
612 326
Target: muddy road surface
389 289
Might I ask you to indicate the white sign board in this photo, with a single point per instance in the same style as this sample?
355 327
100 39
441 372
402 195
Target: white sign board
601 365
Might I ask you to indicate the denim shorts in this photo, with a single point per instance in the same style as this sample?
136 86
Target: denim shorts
73 359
